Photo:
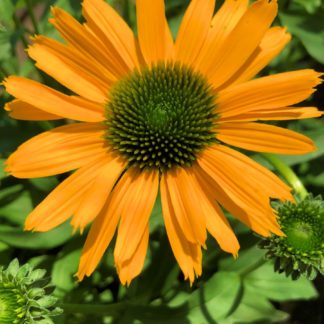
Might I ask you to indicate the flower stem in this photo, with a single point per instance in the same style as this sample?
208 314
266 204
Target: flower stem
287 172
32 16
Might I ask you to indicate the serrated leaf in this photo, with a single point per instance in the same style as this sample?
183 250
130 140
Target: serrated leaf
13 267
47 301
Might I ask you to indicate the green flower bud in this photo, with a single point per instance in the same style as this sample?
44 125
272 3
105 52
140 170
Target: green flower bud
24 297
301 251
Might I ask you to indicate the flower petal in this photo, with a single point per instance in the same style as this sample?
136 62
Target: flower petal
138 205
23 111
273 91
60 204
246 194
52 101
103 228
240 43
193 30
271 45
118 39
187 254
87 43
153 31
264 138
286 113
67 66
59 150
96 196
131 268
216 223
186 206
222 24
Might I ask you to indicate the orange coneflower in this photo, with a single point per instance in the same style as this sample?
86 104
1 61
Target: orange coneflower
158 115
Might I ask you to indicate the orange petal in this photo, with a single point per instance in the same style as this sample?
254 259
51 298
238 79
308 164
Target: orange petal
67 66
186 206
193 30
286 113
153 31
59 150
87 43
222 24
103 228
60 204
273 91
117 38
187 254
138 204
246 194
264 138
271 45
131 268
23 111
52 101
241 42
216 223
96 196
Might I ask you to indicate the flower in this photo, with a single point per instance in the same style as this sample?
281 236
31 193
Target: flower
159 115
25 295
300 252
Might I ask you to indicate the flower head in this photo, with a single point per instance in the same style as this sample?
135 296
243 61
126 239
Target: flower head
23 295
157 115
300 251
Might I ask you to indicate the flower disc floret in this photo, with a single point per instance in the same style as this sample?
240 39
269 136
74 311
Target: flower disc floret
161 116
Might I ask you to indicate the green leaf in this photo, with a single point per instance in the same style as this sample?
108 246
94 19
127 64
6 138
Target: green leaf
28 240
254 308
64 269
278 287
3 174
308 28
215 298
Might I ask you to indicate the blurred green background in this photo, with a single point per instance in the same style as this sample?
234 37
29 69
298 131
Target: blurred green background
242 291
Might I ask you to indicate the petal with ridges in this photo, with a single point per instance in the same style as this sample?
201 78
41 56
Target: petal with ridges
273 42
237 48
273 91
103 228
286 113
96 196
53 101
216 223
118 39
153 31
248 195
186 207
193 30
23 111
60 204
67 66
138 205
59 150
187 254
87 43
131 268
225 19
264 138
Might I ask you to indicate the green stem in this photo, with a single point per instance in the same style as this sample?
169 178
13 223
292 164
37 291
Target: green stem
287 173
112 309
32 16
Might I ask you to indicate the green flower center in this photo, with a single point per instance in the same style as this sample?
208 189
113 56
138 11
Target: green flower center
11 305
161 116
304 229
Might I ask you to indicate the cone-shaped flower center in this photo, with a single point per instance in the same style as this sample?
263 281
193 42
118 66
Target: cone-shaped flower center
161 116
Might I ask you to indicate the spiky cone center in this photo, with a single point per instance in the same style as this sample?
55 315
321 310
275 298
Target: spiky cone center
301 251
161 116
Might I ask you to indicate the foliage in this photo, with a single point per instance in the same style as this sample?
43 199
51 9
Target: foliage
246 290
